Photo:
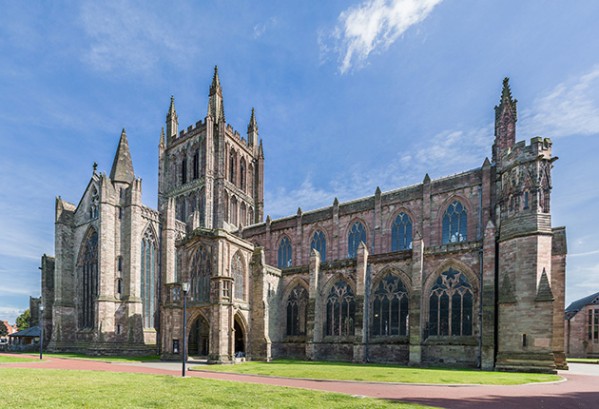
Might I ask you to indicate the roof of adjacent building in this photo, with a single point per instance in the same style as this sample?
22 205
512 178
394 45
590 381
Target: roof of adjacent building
29 332
9 327
578 305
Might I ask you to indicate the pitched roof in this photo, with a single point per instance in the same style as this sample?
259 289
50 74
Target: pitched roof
29 332
9 327
578 305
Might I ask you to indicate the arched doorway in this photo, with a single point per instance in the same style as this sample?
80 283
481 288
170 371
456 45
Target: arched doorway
199 338
239 339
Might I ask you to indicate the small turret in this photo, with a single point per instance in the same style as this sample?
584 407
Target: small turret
122 166
216 108
172 121
505 122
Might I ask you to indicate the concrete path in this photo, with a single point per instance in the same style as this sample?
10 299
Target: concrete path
580 389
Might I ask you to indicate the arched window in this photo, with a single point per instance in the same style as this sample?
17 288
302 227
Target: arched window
390 307
251 215
450 305
196 164
226 206
201 271
401 233
319 243
284 259
356 235
238 273
242 215
88 271
233 217
251 180
341 310
184 171
148 278
297 311
94 204
455 223
232 167
242 174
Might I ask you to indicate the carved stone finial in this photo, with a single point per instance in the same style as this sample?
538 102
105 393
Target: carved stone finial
95 166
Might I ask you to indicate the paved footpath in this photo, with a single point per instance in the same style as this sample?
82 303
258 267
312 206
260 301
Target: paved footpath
580 389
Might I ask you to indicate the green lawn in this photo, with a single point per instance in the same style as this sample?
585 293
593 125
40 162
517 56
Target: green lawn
45 388
583 360
377 373
5 359
104 358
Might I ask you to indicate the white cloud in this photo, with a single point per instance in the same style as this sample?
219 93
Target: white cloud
571 108
375 25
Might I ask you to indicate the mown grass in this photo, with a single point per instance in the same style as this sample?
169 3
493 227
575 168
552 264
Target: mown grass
6 359
148 358
45 388
583 360
377 373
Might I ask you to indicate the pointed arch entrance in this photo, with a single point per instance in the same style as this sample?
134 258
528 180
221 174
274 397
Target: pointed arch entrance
239 340
199 337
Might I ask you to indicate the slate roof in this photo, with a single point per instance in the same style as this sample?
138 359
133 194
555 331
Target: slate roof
29 332
578 305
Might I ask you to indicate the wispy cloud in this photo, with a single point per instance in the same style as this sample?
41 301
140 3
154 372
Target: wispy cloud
261 28
373 26
570 108
129 38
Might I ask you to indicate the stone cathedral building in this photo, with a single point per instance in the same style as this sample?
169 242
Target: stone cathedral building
465 270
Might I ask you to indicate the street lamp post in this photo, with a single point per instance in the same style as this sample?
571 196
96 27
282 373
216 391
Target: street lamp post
41 330
185 288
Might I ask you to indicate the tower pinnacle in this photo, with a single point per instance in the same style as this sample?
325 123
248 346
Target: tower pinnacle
172 121
216 107
505 122
122 166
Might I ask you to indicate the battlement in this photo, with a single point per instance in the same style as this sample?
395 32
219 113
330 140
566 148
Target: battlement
198 125
520 152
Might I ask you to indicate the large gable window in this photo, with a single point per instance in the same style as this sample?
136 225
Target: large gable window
201 271
390 307
88 270
238 273
450 305
455 223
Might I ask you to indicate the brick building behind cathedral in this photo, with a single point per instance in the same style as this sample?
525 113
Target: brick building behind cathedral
465 270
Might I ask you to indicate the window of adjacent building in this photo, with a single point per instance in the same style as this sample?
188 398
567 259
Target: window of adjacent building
401 233
455 223
201 271
356 235
148 278
593 325
184 171
238 273
450 305
319 243
284 256
297 311
390 307
340 310
88 269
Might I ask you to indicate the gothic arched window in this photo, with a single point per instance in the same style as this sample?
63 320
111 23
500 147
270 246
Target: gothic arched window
184 171
390 307
242 175
319 243
455 223
356 235
251 180
450 305
148 278
201 271
196 164
297 311
250 215
242 215
238 273
233 167
284 259
233 217
341 310
401 233
94 204
88 272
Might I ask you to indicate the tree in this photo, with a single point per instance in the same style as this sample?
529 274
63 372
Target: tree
24 320
3 329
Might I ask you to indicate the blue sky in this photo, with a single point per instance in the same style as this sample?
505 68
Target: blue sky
349 95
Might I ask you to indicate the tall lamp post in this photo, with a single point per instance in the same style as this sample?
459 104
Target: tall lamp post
41 330
185 288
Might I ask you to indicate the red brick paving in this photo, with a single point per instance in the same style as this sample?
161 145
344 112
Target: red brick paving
577 391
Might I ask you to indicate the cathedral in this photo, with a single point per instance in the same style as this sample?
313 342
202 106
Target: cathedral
465 270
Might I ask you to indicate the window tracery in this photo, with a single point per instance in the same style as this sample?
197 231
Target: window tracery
238 273
285 253
88 267
356 235
340 310
390 307
450 305
455 223
148 278
297 311
201 271
319 243
401 233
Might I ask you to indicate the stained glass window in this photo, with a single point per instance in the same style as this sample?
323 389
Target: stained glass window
201 271
390 307
455 223
340 310
297 311
450 305
401 233
284 259
356 235
88 268
148 278
319 243
238 273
